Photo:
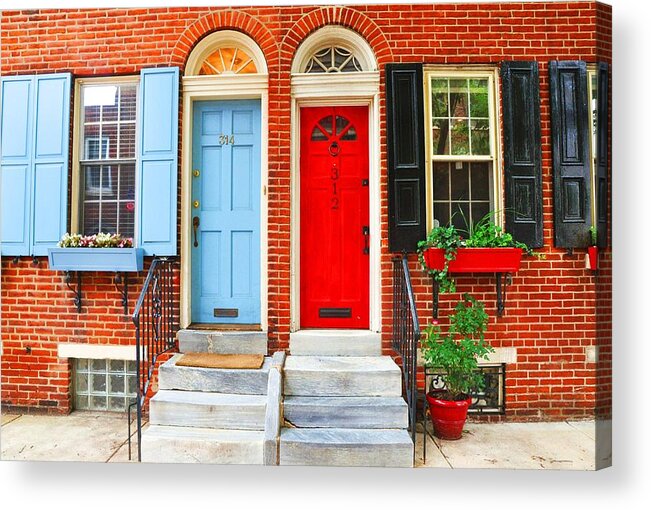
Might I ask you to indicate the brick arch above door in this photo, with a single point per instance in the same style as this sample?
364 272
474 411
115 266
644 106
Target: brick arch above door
223 20
336 15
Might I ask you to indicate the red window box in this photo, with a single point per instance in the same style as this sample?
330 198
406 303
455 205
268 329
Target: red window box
476 260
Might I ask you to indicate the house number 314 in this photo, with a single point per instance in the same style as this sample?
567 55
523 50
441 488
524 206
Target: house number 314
226 140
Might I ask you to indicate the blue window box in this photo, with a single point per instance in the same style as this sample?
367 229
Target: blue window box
95 259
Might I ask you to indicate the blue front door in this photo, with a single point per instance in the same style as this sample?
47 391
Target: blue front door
225 211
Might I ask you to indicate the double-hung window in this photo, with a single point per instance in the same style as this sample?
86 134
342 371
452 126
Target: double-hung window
107 157
461 148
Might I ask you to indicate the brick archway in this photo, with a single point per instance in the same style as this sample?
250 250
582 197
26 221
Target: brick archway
336 15
221 20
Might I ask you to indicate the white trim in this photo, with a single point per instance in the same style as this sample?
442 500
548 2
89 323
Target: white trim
333 35
337 90
87 351
222 39
216 87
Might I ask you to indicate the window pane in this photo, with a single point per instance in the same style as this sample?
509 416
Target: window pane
98 402
91 218
440 136
81 402
128 103
116 404
480 179
127 141
82 382
441 181
98 365
440 98
480 138
460 141
98 383
479 210
116 366
478 98
116 383
326 124
460 182
109 223
442 213
458 98
460 215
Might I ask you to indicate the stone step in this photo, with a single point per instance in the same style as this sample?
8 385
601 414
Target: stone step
347 412
346 447
222 342
201 445
208 410
237 381
335 342
342 376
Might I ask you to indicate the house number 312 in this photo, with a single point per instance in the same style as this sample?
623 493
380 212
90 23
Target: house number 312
226 140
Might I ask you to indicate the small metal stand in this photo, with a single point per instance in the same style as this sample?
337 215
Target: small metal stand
502 280
123 279
77 291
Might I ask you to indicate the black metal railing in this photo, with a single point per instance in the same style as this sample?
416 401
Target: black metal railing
156 329
406 334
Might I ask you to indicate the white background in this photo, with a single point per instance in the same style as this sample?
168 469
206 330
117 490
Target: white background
625 486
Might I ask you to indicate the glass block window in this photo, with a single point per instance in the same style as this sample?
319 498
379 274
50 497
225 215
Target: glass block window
461 138
108 158
104 385
333 59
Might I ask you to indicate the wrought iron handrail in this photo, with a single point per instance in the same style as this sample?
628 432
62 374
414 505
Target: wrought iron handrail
406 334
156 329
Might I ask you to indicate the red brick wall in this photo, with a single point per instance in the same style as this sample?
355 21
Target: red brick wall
552 305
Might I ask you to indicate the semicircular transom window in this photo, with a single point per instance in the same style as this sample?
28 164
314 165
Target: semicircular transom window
333 59
333 126
228 60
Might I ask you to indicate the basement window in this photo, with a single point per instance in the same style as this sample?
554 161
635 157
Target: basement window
104 385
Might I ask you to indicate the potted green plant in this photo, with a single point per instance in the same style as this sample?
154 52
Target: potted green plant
97 252
593 251
456 353
483 248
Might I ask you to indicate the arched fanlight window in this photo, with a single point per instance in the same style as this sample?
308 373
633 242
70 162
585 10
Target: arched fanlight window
228 60
333 59
334 49
226 53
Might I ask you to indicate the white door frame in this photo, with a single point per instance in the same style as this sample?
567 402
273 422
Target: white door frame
216 88
337 89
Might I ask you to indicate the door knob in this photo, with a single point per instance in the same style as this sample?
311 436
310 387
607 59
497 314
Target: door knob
195 226
195 204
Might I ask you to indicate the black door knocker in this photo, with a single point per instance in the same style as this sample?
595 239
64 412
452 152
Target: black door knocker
334 149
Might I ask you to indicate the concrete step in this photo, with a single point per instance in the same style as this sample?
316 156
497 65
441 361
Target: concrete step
208 410
346 447
347 412
222 342
201 445
342 376
237 381
335 342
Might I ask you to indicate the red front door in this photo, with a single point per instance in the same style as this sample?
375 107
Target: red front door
334 217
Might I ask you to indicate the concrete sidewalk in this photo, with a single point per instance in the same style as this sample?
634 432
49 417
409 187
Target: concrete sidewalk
102 437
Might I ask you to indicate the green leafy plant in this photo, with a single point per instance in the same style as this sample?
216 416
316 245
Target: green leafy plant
449 239
457 351
593 236
100 240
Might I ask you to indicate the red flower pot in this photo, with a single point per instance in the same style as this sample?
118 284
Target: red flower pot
593 251
448 416
476 260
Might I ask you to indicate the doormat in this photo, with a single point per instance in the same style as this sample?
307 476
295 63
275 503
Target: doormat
208 360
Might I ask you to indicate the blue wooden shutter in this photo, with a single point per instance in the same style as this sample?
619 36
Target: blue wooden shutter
405 156
568 90
50 174
157 159
522 152
16 150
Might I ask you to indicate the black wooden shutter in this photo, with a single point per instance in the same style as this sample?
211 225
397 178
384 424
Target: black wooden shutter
602 155
406 156
522 152
571 153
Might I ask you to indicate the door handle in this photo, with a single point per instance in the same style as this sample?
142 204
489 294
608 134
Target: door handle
195 226
365 233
